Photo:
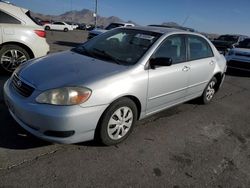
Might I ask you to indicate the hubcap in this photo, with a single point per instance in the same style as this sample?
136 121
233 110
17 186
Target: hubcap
120 123
210 90
11 59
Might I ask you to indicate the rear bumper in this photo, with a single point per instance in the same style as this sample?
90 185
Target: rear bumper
41 49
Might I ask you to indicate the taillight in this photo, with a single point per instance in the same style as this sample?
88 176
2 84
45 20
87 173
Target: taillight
40 33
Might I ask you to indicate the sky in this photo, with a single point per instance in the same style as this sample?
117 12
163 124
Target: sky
214 16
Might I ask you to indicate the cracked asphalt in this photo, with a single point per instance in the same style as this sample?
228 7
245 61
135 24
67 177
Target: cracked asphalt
189 145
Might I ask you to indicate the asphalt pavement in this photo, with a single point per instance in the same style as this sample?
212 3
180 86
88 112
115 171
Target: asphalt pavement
189 145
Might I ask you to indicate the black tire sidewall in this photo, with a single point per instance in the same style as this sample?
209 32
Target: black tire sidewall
66 30
103 132
204 97
47 28
12 47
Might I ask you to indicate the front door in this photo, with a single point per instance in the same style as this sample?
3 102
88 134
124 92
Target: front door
167 85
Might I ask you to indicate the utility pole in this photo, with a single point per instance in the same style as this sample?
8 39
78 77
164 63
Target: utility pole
95 14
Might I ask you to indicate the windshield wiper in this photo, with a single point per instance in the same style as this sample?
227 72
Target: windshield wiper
104 53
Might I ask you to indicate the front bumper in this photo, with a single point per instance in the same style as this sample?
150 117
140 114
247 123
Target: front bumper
39 119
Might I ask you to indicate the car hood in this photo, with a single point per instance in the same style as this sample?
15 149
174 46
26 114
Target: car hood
66 69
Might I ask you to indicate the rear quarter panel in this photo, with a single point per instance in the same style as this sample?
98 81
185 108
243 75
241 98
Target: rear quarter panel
25 35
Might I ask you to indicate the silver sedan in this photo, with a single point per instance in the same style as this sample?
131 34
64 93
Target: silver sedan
101 88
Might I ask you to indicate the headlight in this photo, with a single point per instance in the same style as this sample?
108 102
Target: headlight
65 96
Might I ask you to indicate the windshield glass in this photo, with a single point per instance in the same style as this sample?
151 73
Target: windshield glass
121 46
245 44
228 38
113 25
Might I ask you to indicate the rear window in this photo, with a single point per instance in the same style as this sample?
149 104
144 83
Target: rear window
8 19
36 20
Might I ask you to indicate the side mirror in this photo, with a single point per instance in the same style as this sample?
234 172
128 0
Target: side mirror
160 62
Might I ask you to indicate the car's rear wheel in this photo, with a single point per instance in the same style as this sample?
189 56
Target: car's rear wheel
47 28
11 56
118 121
208 93
66 30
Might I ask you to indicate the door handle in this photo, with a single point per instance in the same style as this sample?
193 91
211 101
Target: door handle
186 68
211 62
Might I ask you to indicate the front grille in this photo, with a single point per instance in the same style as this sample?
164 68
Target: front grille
238 64
244 55
21 87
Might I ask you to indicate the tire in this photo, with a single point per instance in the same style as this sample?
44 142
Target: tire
47 28
66 30
114 129
11 56
209 91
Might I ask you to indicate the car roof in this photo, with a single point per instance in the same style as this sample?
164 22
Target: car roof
17 12
121 23
175 27
233 35
162 30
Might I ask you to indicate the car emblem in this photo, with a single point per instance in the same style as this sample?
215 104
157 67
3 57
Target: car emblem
19 83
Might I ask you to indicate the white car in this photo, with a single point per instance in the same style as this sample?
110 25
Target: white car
60 26
96 32
239 57
21 38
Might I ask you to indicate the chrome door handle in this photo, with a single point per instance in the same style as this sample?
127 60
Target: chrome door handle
211 62
186 68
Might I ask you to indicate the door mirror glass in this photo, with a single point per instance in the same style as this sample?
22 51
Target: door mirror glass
160 61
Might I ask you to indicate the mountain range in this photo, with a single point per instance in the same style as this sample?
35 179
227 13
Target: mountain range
82 16
86 16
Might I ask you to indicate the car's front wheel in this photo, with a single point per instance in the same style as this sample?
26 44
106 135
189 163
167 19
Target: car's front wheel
117 122
11 56
47 28
66 30
208 93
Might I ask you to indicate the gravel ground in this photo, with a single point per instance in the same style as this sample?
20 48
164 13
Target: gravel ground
189 145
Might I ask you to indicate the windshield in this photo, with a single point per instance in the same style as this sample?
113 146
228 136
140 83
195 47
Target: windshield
121 46
245 44
228 38
113 25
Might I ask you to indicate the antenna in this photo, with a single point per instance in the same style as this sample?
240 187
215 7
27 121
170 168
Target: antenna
95 14
186 19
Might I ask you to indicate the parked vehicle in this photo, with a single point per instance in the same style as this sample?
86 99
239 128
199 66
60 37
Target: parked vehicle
226 42
104 86
21 38
99 31
60 26
239 57
73 25
43 22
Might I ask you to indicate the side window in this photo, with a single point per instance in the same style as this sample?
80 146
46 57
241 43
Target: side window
173 47
58 23
7 19
198 48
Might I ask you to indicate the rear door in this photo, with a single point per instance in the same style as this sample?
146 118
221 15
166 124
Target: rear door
167 85
202 64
